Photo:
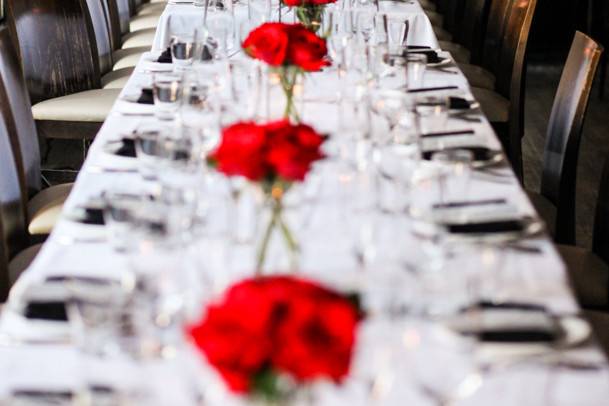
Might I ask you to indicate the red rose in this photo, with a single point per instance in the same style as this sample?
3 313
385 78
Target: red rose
320 2
268 42
294 3
317 338
293 149
306 50
241 151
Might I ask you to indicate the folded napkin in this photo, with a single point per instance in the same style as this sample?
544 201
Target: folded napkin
508 324
146 97
459 103
126 148
432 56
92 214
47 310
165 56
480 153
487 227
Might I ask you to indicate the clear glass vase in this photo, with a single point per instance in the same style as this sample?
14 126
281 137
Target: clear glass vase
281 98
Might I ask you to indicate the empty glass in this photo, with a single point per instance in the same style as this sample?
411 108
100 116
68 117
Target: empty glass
147 139
432 113
167 91
182 51
397 30
456 170
416 64
120 208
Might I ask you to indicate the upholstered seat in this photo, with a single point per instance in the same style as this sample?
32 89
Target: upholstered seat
545 209
45 207
459 53
478 76
589 276
600 325
128 58
21 261
495 107
140 38
151 8
88 106
142 22
116 79
428 5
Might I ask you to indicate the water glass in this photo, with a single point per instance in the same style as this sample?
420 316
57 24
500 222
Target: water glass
456 172
431 113
397 30
182 51
120 210
147 148
167 92
416 64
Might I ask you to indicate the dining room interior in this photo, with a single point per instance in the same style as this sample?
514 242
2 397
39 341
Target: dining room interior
304 202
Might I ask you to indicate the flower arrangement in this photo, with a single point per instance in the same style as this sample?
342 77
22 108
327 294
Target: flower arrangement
309 12
269 331
290 50
274 155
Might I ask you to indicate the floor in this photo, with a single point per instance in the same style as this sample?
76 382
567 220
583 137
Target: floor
542 81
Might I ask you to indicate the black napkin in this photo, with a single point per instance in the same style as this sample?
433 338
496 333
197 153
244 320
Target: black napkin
518 336
91 215
206 53
479 153
146 97
417 47
52 310
459 103
165 56
127 148
497 226
432 56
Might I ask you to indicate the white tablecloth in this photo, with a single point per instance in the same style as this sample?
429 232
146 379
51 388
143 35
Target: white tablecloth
185 18
56 366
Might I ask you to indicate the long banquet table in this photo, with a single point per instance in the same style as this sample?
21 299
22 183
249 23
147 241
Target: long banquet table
83 250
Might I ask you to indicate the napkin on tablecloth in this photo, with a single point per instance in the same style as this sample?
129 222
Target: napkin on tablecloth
165 56
146 97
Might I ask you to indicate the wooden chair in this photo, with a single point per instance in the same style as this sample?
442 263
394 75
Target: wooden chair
15 255
42 206
445 24
118 26
589 269
61 67
133 39
504 106
556 200
110 78
467 45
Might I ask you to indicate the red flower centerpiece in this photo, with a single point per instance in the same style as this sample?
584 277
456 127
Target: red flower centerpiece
309 12
269 335
290 50
273 155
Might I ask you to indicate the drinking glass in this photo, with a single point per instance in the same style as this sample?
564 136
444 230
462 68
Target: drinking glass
456 169
182 51
148 137
365 24
120 207
431 113
416 64
221 28
397 30
199 113
167 91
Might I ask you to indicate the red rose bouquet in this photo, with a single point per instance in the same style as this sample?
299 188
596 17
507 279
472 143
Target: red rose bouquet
309 12
274 155
269 331
289 49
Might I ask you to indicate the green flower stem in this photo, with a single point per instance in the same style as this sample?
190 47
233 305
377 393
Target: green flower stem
289 77
292 245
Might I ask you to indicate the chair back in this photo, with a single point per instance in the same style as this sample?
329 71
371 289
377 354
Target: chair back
99 22
493 38
114 23
474 22
453 14
22 127
12 203
54 38
600 234
125 12
558 180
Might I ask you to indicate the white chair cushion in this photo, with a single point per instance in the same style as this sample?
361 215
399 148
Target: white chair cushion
140 38
143 22
89 106
152 8
128 58
117 79
45 207
21 262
